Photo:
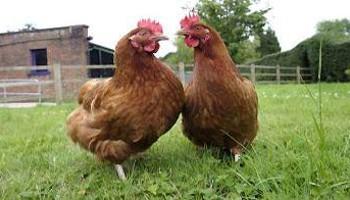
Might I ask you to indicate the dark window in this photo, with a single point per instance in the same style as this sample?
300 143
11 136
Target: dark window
39 58
94 57
98 57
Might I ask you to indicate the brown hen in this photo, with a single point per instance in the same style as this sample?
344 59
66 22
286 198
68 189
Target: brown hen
127 113
221 107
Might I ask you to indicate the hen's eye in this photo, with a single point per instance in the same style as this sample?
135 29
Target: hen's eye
143 33
198 28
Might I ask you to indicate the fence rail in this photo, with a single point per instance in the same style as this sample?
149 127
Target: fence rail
260 74
6 96
64 81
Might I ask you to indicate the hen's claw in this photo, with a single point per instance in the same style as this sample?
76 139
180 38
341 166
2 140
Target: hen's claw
120 172
237 157
236 152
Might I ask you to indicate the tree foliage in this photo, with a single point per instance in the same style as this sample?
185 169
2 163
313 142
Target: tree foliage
335 31
335 58
235 21
28 27
249 50
182 54
335 36
268 43
238 25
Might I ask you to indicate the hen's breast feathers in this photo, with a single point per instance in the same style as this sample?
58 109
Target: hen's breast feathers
148 104
219 95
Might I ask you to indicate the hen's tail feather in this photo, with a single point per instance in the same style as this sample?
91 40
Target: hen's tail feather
115 151
78 131
93 140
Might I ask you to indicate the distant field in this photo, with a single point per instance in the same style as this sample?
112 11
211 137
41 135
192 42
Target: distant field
288 159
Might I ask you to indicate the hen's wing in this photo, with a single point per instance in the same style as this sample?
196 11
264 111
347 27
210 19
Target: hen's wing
95 92
86 88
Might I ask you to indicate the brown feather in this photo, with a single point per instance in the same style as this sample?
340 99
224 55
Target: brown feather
221 106
126 114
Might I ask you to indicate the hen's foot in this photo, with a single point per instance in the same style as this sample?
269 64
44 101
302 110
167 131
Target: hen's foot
237 157
236 152
120 171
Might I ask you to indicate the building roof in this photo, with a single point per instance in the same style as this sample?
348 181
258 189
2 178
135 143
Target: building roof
101 48
35 35
43 29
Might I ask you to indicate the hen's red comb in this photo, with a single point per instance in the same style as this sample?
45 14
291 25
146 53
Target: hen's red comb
153 26
189 20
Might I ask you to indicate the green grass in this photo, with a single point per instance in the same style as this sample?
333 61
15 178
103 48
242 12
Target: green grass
287 161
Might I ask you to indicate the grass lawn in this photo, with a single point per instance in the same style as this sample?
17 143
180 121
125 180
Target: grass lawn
289 160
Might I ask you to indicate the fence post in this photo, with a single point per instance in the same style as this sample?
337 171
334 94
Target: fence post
252 73
5 92
298 74
40 91
278 74
182 73
58 82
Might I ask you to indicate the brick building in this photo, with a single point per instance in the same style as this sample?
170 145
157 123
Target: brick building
67 46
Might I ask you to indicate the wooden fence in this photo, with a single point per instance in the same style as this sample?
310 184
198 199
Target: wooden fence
19 95
259 74
63 81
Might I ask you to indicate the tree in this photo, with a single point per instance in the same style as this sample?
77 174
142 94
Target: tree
268 43
183 53
28 27
235 21
336 31
248 50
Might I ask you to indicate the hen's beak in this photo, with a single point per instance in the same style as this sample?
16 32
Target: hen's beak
182 32
158 38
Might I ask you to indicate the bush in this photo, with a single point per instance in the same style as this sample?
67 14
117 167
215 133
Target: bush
336 62
335 58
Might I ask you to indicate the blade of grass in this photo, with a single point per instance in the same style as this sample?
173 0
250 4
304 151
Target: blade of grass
321 129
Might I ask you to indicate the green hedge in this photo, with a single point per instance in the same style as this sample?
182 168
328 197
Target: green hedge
335 59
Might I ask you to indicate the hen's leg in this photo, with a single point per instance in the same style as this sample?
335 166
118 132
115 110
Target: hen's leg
119 168
120 172
97 140
116 151
236 152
